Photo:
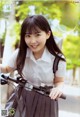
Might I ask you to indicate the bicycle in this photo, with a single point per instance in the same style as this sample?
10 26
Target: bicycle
13 103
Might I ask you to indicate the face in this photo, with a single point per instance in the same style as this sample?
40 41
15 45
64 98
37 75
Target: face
36 41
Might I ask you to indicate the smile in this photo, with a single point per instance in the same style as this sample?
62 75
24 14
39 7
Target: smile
34 46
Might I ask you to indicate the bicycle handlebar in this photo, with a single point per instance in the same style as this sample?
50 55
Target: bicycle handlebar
4 80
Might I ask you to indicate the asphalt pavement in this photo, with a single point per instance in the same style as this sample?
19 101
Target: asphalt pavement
71 106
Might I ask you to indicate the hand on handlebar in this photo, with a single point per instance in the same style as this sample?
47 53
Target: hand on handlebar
56 93
5 78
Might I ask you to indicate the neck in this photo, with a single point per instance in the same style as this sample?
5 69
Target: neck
38 54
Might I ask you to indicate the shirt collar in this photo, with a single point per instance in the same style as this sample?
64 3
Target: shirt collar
46 56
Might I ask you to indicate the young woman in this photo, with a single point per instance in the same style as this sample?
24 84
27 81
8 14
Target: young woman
34 62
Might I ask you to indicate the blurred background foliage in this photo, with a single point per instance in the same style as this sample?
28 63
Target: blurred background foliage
64 18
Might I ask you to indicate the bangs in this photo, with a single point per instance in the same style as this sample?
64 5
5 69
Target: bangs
32 28
34 24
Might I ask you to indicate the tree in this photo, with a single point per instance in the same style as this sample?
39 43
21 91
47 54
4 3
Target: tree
71 47
70 14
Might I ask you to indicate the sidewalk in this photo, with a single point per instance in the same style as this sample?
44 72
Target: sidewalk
73 91
68 114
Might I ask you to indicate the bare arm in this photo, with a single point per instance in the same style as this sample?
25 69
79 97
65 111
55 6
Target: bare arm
58 82
5 69
56 92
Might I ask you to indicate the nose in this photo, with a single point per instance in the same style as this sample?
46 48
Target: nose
33 39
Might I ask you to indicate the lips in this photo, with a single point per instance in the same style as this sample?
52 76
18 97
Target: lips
34 46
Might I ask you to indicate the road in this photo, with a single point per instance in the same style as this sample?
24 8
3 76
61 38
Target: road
71 106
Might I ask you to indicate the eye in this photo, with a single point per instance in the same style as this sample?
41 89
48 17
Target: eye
38 34
27 35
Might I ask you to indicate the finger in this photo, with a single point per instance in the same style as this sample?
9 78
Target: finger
59 95
54 95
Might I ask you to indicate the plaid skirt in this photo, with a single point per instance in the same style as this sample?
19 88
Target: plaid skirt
34 104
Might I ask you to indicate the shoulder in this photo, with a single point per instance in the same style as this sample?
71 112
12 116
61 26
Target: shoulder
61 72
15 53
62 63
12 60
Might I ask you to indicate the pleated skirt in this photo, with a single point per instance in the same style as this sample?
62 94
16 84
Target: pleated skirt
34 104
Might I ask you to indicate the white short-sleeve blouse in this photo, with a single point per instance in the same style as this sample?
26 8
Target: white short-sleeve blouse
41 70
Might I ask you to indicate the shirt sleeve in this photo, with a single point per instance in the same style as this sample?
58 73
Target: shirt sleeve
61 72
12 60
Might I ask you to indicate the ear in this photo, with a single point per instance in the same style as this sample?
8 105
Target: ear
48 34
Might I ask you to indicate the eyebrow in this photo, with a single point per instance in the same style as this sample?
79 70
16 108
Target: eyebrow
33 33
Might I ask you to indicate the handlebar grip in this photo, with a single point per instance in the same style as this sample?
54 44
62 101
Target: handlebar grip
17 80
63 96
3 81
5 77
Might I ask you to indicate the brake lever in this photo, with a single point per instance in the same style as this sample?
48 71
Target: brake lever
3 81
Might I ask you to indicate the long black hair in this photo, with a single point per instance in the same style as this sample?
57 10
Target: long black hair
30 24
